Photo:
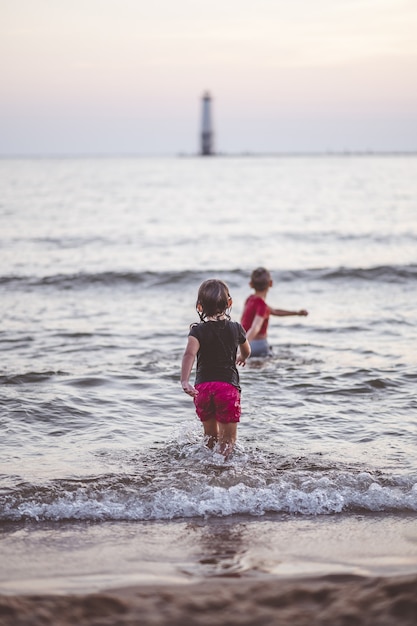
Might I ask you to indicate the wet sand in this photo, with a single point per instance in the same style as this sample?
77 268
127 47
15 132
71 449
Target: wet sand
347 570
326 601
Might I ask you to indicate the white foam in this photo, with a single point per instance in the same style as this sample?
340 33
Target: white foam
223 491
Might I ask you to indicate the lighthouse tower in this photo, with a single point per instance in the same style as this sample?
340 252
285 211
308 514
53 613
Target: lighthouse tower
206 127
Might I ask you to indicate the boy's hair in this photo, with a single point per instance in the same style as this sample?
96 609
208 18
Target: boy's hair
213 297
260 279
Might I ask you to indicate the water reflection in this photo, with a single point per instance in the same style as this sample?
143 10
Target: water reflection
223 549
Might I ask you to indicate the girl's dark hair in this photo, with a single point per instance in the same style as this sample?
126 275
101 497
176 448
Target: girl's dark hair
213 297
260 278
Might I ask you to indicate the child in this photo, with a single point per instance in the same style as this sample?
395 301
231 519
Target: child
256 312
215 341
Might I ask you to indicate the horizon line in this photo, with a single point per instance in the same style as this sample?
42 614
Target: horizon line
183 154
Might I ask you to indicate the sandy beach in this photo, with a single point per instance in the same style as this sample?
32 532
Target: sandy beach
332 600
352 570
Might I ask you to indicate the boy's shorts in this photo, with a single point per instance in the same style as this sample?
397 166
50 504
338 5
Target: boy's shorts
219 400
259 347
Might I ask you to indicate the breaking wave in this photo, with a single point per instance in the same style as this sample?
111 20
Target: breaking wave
189 481
385 273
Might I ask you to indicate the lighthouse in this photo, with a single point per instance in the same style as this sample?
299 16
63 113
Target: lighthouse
206 126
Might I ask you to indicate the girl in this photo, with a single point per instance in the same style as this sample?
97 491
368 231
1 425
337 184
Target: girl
215 341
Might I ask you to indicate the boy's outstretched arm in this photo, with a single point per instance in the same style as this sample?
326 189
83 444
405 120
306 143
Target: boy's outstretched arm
193 346
284 313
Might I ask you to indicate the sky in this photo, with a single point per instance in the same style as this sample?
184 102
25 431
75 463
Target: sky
103 77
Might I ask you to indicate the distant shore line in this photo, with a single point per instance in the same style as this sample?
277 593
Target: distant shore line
216 155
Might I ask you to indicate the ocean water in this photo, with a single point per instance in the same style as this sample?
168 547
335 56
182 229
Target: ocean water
101 260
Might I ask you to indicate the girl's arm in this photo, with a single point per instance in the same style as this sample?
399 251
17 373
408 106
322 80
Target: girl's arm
243 353
188 359
283 312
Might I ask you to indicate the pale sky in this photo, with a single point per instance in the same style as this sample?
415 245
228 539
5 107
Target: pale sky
127 76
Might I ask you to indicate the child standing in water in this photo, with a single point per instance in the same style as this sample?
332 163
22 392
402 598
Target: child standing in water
256 312
215 342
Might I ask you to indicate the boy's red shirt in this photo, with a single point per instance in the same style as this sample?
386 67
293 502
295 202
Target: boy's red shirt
255 305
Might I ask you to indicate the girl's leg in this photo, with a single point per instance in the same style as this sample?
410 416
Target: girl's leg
227 437
211 432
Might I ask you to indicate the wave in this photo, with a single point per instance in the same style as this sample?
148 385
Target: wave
198 483
82 280
29 377
383 273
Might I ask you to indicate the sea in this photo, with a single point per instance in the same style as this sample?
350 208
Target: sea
104 476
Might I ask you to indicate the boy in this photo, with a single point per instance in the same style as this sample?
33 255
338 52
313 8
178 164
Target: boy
256 312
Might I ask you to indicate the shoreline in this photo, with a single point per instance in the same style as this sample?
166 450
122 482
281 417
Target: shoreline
351 570
79 557
323 601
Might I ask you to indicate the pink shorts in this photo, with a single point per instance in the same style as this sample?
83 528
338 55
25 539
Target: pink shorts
219 400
